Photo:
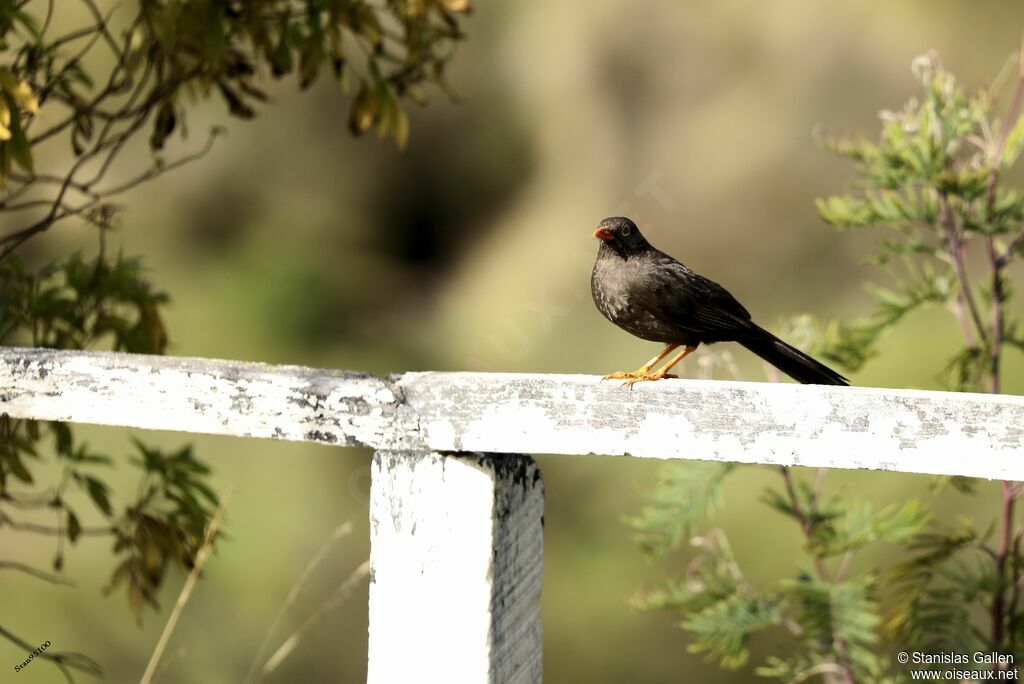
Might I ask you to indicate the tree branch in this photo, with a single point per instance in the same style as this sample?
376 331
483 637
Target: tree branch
62 659
10 242
1016 586
999 616
35 572
806 522
955 242
22 526
997 262
186 590
1015 244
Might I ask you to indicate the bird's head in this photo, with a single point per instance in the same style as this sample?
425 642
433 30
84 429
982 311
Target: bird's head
622 236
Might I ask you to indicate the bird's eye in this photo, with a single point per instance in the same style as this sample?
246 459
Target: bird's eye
626 230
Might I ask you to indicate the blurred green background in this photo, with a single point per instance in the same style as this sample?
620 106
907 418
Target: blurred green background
295 243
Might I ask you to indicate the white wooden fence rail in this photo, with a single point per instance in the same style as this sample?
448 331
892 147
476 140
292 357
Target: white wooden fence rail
456 540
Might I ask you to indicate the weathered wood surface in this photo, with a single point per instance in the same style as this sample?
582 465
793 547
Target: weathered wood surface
456 561
843 427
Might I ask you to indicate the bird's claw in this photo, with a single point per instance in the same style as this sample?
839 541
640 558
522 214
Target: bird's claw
622 375
646 377
637 376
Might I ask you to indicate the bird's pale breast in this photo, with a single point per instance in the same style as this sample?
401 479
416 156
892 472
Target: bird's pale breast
622 293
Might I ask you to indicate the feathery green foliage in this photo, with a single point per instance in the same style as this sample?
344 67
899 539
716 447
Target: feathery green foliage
719 606
933 181
685 496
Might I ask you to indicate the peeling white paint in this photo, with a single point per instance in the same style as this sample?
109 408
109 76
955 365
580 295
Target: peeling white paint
197 395
974 435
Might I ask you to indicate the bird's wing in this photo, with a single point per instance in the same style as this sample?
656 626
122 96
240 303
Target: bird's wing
696 303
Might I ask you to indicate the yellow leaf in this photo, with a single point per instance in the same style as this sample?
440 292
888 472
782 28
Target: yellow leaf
365 110
19 90
5 119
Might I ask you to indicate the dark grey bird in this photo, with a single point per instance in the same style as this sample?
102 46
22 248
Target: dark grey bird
651 295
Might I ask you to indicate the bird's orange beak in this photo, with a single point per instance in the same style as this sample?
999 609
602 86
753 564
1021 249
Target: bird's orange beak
603 234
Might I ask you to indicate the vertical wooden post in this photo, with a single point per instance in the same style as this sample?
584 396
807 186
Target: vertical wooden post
456 561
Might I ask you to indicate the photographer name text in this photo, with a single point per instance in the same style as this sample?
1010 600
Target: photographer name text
951 658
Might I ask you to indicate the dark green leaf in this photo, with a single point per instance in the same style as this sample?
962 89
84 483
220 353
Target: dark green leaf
98 492
74 526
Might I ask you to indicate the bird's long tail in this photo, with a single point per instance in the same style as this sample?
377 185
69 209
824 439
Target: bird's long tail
791 360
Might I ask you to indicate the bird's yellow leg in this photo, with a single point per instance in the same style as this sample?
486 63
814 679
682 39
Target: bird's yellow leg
644 369
663 371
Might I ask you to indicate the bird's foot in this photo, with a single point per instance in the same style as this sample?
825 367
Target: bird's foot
647 377
622 375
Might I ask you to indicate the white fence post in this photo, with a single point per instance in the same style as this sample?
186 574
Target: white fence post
456 561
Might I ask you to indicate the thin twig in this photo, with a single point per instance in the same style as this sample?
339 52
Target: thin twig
339 533
35 572
844 566
1016 587
167 663
112 86
97 15
996 260
1016 243
806 523
161 169
22 526
28 500
1002 555
823 669
957 306
1007 543
998 297
819 482
955 242
93 32
186 590
49 17
337 598
62 659
12 241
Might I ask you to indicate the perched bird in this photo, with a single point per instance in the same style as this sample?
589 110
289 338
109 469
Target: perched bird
651 295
